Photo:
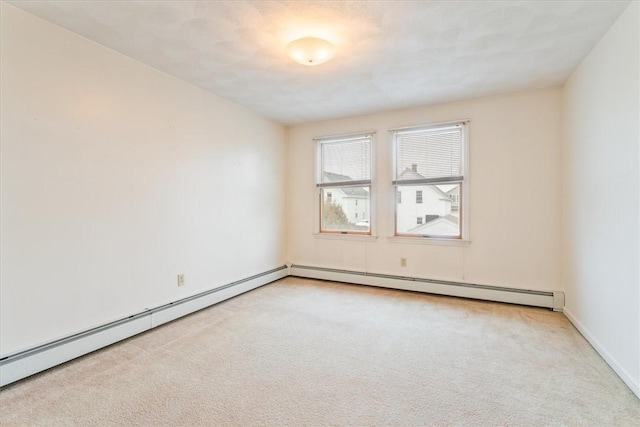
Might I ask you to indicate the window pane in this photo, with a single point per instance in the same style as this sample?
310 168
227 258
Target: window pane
426 154
437 214
346 210
344 161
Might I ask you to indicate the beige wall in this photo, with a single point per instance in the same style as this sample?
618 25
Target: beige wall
601 197
117 177
514 202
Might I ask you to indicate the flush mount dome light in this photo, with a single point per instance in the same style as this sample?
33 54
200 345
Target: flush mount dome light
310 51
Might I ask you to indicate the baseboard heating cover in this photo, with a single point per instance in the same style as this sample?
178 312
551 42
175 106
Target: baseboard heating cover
550 299
20 365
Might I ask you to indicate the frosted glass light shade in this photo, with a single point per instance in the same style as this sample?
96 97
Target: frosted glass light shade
310 51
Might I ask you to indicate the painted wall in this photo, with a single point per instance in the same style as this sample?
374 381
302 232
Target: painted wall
601 107
514 182
117 177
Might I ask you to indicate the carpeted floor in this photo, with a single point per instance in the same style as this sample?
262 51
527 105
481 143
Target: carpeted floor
304 352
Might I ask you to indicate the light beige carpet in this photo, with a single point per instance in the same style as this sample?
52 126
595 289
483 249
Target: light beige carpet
303 352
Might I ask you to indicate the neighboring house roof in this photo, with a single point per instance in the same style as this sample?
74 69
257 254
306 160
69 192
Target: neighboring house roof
347 191
409 173
355 192
335 177
442 226
450 189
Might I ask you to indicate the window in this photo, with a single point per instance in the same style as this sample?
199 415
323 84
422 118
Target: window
344 171
399 197
430 160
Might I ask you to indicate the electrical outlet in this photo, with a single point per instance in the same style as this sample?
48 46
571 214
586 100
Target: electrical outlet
403 262
180 279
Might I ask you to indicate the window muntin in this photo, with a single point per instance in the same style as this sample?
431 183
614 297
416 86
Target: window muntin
344 182
430 163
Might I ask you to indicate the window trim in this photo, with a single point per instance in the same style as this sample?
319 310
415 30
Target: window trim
431 241
318 231
465 183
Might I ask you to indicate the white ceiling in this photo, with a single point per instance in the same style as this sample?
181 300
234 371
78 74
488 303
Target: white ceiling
390 54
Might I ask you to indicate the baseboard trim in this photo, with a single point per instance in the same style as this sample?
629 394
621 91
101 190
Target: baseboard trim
611 361
25 363
551 299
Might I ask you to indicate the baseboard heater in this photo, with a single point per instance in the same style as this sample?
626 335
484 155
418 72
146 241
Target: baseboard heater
22 364
550 299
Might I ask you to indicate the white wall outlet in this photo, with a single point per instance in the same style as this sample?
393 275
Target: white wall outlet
180 279
403 262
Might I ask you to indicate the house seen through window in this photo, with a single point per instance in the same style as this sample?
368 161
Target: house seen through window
344 184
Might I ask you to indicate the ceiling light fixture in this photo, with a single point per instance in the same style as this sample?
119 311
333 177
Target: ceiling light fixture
310 51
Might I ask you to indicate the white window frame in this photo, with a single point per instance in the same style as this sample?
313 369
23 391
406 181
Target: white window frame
356 235
464 205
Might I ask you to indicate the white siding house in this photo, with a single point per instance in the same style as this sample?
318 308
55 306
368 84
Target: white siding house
353 200
427 209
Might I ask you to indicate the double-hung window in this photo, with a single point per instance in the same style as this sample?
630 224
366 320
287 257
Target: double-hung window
344 184
430 170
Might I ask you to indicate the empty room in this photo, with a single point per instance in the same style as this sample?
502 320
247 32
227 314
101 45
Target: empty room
320 213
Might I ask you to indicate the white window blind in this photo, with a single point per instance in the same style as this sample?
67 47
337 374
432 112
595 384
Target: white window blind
429 155
345 161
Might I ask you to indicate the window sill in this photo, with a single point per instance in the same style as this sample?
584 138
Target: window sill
429 241
354 237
